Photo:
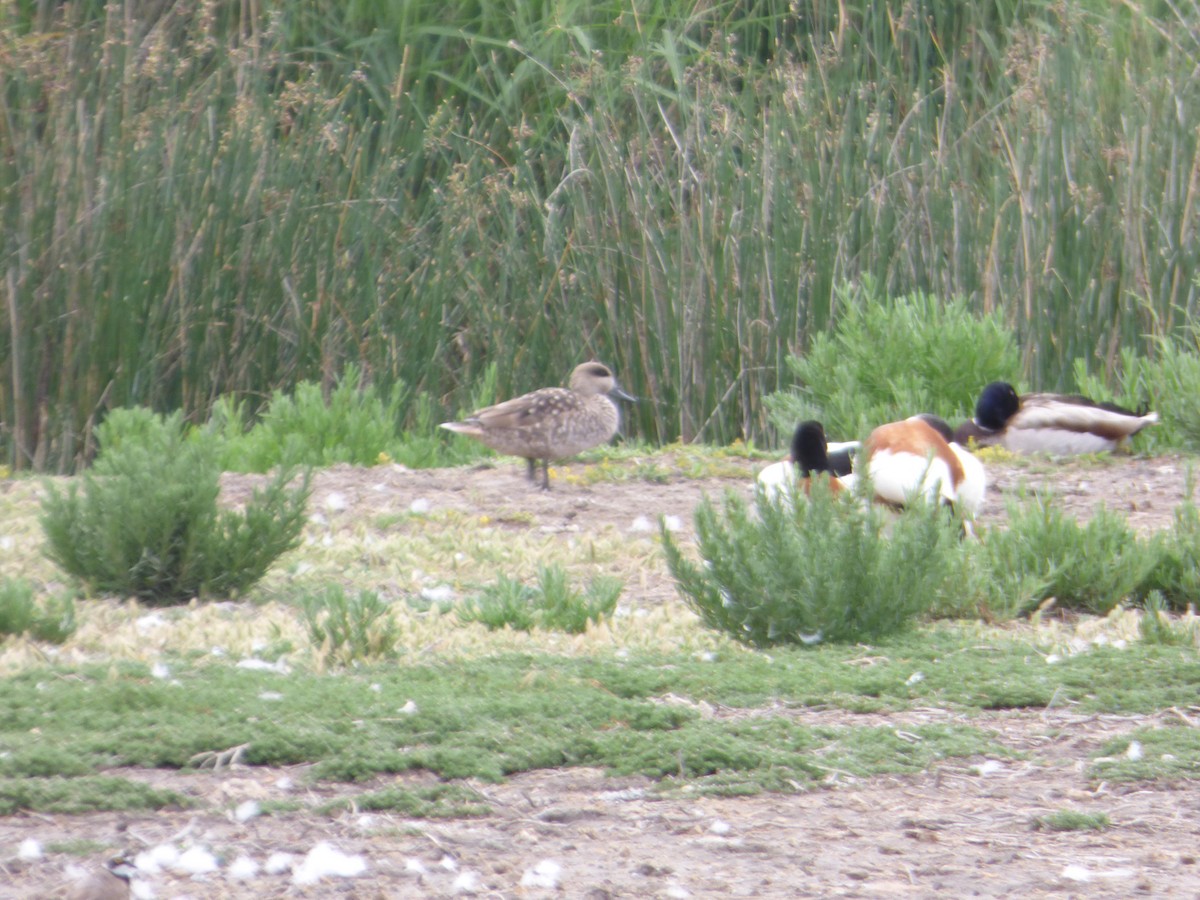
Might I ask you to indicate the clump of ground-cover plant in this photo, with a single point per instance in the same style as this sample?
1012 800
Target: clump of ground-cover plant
350 628
144 521
808 570
824 568
51 620
552 603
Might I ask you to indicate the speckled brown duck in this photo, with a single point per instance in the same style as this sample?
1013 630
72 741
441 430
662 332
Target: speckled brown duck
551 423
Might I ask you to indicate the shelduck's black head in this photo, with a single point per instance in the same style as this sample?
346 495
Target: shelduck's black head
809 448
997 404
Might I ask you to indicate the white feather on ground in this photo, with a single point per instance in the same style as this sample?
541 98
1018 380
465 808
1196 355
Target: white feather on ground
545 874
326 861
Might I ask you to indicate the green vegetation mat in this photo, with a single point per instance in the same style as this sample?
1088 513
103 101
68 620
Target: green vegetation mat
732 722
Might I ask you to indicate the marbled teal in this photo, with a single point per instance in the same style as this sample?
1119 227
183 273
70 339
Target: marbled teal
551 423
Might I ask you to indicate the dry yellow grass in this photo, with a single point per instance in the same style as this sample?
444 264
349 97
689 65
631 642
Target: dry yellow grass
367 532
398 557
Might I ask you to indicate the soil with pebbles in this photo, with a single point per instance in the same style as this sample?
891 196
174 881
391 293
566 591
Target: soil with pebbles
961 829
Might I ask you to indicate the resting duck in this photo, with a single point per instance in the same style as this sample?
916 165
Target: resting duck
811 453
1059 424
918 456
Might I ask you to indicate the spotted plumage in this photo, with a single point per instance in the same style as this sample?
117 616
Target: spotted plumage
1058 424
551 423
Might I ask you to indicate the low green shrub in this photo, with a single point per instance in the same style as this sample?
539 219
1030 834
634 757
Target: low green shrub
352 628
1072 820
890 358
20 613
563 608
146 521
822 569
553 604
505 603
1175 575
1044 553
355 425
425 446
1172 381
1156 626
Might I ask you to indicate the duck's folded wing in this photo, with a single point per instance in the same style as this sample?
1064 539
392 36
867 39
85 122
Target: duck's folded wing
520 411
1053 411
841 456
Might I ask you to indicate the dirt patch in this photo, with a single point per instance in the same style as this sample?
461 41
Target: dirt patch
960 829
1146 491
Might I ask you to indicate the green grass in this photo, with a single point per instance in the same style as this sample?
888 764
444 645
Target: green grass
1072 820
435 801
491 717
1167 753
81 794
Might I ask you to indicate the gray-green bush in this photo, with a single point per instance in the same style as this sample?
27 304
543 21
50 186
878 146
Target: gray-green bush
356 424
891 358
823 569
1045 553
52 621
1175 575
145 521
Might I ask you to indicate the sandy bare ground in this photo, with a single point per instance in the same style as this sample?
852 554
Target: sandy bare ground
961 829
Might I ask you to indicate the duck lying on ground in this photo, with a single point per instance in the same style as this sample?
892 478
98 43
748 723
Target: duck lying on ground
1059 424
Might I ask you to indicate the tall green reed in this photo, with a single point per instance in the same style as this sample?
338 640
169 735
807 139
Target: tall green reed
201 202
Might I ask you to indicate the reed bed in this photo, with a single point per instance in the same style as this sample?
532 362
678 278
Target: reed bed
203 199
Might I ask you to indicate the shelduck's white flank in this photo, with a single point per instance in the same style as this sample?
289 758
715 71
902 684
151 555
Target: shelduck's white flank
913 458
